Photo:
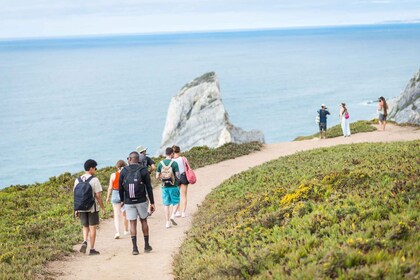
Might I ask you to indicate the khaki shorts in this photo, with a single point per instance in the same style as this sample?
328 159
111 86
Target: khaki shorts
136 210
89 219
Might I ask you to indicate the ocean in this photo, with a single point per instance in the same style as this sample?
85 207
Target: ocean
65 100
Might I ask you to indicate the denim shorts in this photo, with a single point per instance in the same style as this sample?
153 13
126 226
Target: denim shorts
115 198
170 195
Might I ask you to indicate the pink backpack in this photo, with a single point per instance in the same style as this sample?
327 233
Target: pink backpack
189 173
346 115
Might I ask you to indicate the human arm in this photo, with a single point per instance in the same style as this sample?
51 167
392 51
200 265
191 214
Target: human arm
159 168
110 185
121 186
101 203
149 189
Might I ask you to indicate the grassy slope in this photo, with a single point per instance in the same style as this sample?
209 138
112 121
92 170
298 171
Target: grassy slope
347 212
37 224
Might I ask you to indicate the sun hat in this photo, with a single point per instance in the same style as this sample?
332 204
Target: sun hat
323 105
141 149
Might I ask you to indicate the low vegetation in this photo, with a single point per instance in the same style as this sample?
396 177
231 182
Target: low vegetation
346 212
37 223
335 131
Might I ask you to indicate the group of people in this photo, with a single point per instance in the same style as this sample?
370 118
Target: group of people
131 193
344 117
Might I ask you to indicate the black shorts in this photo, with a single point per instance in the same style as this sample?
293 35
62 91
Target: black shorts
183 180
322 126
89 219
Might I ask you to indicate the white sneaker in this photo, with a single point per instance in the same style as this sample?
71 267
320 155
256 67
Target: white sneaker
126 232
178 214
183 215
117 235
168 224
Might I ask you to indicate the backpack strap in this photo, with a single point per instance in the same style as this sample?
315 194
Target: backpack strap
170 163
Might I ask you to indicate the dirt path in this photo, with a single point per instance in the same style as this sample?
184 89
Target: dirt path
116 261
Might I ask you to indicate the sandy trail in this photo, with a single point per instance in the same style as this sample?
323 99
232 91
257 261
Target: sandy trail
116 261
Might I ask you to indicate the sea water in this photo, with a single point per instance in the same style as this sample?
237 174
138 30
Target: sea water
70 99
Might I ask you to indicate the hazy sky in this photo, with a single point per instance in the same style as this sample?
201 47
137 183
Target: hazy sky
42 18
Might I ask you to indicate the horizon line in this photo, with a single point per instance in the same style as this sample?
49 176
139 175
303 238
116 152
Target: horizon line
207 31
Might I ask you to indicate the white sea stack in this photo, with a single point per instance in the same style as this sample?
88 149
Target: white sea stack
406 107
197 117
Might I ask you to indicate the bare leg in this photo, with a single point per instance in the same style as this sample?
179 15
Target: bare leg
92 230
144 227
85 233
133 227
125 221
183 189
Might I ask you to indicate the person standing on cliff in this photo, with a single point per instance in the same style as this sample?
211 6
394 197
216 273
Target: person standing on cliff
168 172
382 113
135 189
323 112
90 218
344 120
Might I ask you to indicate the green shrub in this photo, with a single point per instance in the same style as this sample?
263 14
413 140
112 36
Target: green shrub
346 212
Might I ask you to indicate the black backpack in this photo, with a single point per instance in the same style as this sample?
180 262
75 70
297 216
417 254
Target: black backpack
83 197
134 188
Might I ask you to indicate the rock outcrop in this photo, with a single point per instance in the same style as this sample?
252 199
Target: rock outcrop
197 117
406 107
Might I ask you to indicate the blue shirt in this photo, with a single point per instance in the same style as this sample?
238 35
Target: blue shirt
323 115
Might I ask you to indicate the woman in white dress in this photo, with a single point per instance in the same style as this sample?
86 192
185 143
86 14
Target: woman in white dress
345 120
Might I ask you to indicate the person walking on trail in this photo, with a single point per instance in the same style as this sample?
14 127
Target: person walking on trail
344 120
382 113
89 218
183 181
323 112
136 192
168 172
148 161
114 195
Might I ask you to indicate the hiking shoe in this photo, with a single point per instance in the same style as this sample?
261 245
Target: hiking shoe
126 232
117 235
147 249
168 224
183 215
93 252
135 251
178 214
173 222
83 248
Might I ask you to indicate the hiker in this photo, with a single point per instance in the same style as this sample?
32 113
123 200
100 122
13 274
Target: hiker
168 172
183 181
323 112
89 218
113 189
135 190
382 113
148 161
344 120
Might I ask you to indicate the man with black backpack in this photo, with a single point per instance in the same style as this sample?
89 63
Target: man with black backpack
87 196
135 188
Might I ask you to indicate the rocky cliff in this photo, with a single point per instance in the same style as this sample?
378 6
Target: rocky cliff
406 107
197 117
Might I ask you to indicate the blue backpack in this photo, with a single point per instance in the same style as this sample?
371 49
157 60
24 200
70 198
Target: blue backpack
83 196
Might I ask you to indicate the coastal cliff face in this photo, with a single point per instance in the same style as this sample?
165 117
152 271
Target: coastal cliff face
406 107
197 117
